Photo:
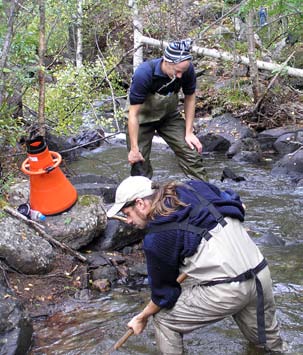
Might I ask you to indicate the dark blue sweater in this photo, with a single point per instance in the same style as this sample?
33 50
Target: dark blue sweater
165 251
149 78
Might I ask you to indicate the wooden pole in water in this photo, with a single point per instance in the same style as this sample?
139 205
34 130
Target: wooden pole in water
130 331
120 342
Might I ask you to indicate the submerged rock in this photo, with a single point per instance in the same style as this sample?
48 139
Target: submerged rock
270 239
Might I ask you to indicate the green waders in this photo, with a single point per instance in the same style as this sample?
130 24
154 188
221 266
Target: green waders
159 114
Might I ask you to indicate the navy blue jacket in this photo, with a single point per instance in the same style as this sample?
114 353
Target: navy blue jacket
166 250
149 78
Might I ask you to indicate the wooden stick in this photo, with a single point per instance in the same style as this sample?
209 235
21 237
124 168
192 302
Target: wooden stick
130 331
120 342
43 234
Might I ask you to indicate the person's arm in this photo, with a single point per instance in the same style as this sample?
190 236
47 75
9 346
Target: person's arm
138 323
189 110
134 154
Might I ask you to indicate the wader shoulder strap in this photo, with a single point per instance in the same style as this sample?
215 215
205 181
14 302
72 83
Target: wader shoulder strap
247 275
184 226
205 203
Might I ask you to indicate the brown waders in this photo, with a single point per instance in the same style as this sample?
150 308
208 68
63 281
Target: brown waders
206 299
159 114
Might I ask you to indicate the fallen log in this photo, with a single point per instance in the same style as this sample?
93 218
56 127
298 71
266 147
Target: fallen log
214 53
37 227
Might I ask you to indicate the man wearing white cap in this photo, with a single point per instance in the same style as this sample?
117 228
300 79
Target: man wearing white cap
152 107
195 232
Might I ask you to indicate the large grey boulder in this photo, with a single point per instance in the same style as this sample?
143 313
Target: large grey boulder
79 225
222 131
22 249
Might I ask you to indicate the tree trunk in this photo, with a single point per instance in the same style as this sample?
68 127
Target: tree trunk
253 69
79 34
214 53
41 73
6 47
138 28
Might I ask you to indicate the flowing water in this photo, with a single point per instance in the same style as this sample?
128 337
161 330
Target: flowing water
274 207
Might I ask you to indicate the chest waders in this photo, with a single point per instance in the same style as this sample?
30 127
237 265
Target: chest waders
203 233
159 113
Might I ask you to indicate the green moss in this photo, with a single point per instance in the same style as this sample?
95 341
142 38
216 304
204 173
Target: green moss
87 200
3 203
232 99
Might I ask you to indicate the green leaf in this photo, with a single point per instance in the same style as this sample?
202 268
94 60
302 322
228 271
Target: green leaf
67 220
6 70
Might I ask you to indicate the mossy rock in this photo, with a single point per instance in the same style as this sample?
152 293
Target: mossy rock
87 200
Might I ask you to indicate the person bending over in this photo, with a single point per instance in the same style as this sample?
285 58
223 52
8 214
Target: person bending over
195 231
152 107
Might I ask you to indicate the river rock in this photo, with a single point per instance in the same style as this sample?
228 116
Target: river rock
23 249
222 131
268 137
62 145
108 272
270 239
78 226
88 138
116 236
289 142
92 184
15 325
245 150
290 165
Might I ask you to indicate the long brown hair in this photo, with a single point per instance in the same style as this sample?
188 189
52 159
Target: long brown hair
165 194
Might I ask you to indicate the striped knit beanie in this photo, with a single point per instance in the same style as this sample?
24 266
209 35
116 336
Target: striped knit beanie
178 51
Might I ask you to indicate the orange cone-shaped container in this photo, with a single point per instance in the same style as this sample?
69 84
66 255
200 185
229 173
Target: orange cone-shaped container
50 191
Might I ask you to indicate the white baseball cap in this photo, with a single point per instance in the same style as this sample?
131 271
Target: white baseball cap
131 188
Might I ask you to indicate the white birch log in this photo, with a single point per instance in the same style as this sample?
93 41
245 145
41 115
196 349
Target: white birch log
79 34
214 53
138 30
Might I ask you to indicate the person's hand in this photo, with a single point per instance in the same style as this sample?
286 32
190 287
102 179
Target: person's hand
138 323
134 156
193 142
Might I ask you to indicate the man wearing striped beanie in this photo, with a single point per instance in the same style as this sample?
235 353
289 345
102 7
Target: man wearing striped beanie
153 108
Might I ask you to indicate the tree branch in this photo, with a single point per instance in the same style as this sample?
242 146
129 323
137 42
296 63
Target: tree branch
43 234
259 102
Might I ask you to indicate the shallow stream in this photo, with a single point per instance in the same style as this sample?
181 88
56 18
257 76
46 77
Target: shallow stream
274 206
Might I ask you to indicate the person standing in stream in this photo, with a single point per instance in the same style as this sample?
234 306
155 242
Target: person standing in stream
153 107
195 235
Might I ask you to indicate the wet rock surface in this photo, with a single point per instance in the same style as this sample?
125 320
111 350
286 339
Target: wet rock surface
22 249
15 324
